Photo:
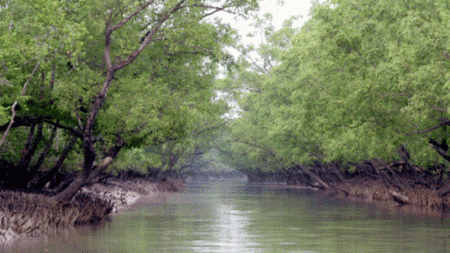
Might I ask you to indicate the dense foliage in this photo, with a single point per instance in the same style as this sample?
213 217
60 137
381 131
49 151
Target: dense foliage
360 80
85 83
91 78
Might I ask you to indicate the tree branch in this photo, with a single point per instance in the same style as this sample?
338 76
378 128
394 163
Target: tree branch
444 122
210 128
13 107
192 46
272 153
80 123
395 95
110 29
148 38
59 125
25 86
440 149
215 8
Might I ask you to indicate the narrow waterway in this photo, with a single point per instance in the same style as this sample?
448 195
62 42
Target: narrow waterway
227 217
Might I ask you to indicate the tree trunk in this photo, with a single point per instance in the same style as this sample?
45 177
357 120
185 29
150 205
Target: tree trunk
27 146
44 153
173 160
26 158
313 176
111 69
441 148
51 173
74 186
21 175
405 156
87 175
88 141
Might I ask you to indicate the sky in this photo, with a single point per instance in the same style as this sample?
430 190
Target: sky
280 12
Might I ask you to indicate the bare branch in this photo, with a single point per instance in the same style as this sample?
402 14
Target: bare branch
215 8
25 86
271 152
395 95
210 128
59 125
211 13
148 38
110 29
80 123
183 53
13 107
445 122
255 64
11 122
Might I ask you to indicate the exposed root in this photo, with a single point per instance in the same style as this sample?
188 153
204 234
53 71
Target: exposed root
421 198
25 214
30 214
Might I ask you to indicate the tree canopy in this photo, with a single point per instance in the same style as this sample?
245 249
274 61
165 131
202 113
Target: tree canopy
360 80
106 75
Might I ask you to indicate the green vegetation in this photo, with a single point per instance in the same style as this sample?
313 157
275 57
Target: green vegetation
86 83
360 81
83 80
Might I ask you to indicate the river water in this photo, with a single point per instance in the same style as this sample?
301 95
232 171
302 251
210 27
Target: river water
229 217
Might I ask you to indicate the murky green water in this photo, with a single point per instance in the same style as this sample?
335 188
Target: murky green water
219 217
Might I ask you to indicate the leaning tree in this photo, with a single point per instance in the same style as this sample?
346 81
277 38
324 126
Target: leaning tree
113 74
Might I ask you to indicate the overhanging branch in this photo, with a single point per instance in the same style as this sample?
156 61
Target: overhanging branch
444 122
74 131
210 128
110 29
148 38
270 152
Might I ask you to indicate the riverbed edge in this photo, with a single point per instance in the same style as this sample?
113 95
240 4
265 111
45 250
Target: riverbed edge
405 196
121 193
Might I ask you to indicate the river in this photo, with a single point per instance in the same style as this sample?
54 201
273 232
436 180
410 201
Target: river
229 217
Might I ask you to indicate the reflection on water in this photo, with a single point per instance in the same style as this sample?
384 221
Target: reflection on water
221 217
229 234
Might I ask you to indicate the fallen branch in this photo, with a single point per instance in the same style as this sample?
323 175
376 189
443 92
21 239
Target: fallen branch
400 198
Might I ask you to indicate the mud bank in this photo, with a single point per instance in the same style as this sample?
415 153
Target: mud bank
405 195
398 193
396 186
26 214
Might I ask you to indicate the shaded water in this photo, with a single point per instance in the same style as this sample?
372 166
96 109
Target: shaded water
223 217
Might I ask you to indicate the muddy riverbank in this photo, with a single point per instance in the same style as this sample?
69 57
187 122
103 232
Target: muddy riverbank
29 214
405 195
394 186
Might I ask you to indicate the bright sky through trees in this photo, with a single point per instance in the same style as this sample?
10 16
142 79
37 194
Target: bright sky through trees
283 11
364 80
280 11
